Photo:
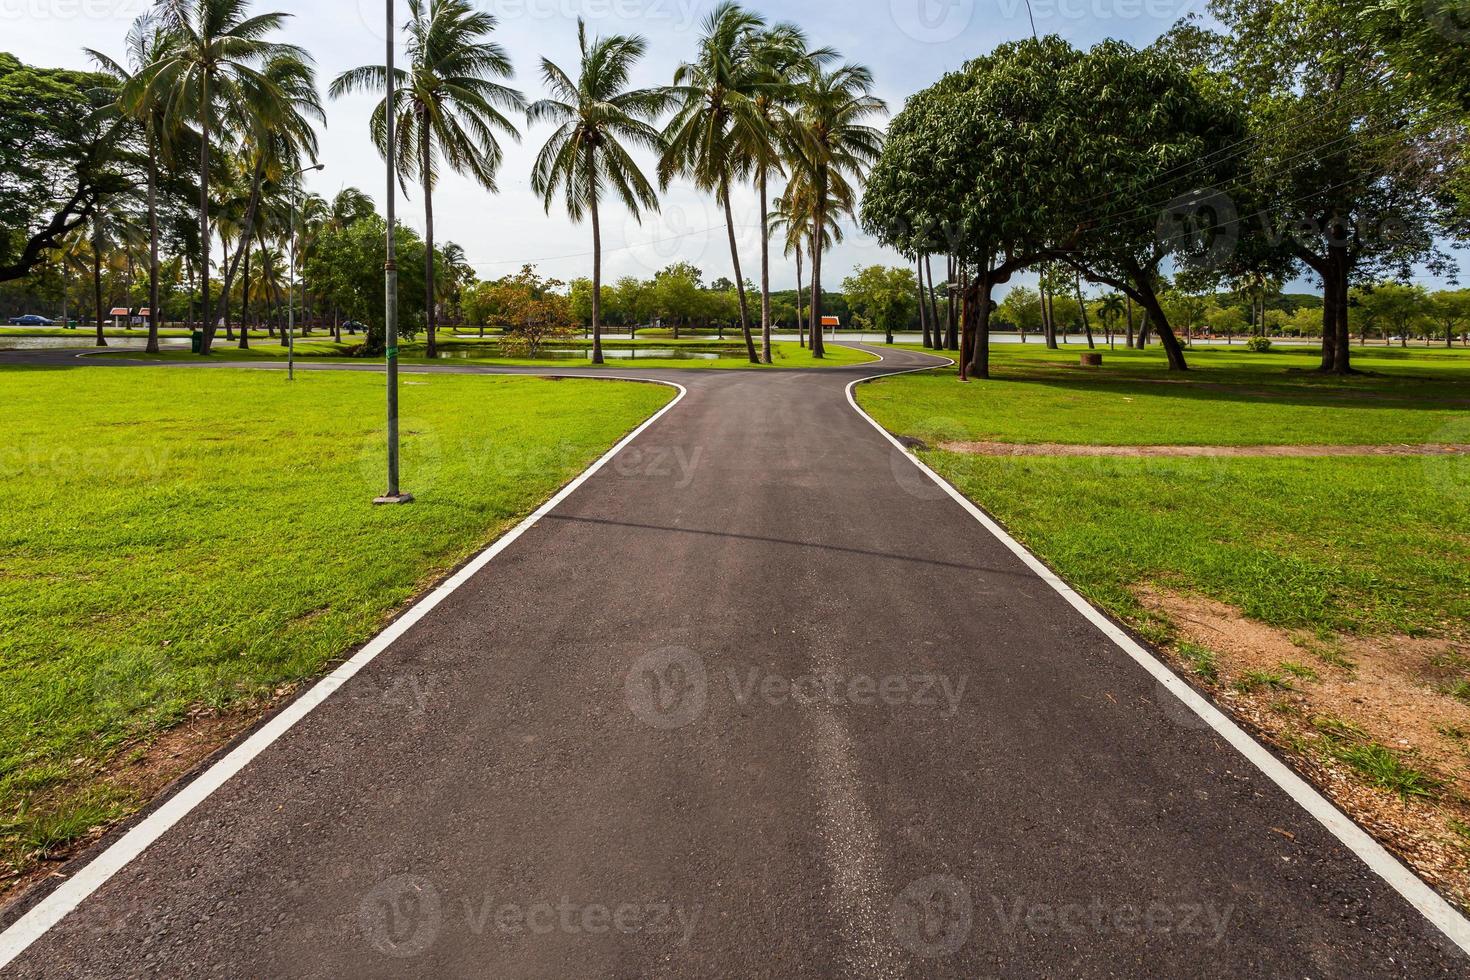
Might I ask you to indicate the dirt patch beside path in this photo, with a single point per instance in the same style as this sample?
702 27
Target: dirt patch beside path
1070 449
1359 715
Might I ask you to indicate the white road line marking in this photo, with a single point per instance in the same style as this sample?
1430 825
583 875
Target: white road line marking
1409 885
67 896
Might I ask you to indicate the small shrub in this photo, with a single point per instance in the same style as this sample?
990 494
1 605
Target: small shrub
1259 345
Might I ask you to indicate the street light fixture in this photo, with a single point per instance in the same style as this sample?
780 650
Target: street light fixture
291 303
390 289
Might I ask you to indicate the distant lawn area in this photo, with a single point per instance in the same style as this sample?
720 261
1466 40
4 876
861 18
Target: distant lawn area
455 350
1352 543
184 543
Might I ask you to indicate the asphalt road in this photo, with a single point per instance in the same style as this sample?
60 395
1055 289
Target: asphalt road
756 700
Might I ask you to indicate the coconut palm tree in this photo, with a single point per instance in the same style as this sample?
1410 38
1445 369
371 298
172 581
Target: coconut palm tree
1111 309
833 148
449 104
348 206
717 132
792 219
597 118
781 55
277 134
214 60
145 107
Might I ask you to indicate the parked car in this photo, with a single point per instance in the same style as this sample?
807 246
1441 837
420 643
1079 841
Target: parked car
31 320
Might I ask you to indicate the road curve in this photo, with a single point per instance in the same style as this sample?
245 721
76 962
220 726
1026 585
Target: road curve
758 698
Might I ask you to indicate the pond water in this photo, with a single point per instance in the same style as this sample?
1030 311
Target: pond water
610 353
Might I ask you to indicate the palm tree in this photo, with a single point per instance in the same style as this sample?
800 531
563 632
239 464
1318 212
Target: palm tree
277 135
348 206
781 53
1110 309
597 118
214 59
833 148
144 106
718 134
449 103
457 274
792 218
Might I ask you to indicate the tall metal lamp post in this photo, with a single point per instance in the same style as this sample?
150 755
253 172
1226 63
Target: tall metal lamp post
291 304
394 494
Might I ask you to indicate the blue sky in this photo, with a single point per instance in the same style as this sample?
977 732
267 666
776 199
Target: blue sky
907 43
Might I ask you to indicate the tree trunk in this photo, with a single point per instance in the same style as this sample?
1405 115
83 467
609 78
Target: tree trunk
800 301
204 237
1160 322
933 303
1086 324
980 310
245 299
1129 342
97 276
923 307
430 326
952 309
153 288
820 216
224 293
765 277
596 265
739 280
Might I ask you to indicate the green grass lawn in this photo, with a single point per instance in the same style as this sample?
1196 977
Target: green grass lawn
1357 544
176 540
785 354
1228 398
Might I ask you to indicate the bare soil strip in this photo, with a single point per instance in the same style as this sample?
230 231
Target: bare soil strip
1069 449
1392 691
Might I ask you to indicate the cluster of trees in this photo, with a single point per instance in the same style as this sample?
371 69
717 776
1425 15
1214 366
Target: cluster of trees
194 143
1308 137
179 164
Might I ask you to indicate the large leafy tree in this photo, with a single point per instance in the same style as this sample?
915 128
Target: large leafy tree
1158 176
450 103
597 118
1346 156
56 159
997 211
886 296
212 74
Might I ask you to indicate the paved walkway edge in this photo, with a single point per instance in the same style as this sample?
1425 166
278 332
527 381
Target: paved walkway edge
59 903
1414 890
